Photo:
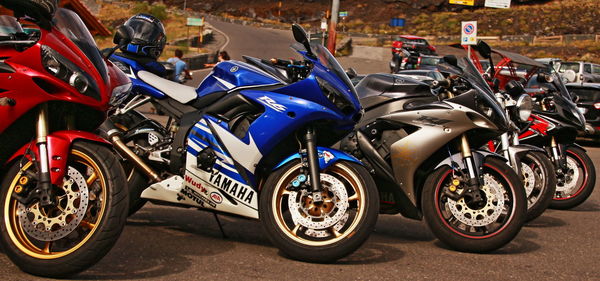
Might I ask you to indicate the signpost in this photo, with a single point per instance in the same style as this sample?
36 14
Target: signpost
468 34
463 2
199 22
497 3
343 14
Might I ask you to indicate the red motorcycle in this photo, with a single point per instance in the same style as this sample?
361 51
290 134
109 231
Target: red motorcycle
63 199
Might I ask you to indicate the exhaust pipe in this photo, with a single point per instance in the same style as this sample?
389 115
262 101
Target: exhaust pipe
111 133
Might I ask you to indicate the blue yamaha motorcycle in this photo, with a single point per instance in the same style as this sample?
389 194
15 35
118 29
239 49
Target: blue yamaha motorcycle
252 141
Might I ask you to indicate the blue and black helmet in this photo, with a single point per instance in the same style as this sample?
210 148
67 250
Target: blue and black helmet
148 37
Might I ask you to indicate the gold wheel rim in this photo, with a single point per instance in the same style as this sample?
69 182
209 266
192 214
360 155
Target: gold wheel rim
340 170
15 229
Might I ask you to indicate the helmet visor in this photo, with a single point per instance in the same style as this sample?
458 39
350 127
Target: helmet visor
145 31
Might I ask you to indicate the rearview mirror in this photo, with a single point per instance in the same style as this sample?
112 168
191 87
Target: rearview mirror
451 60
514 88
123 36
484 49
351 72
301 37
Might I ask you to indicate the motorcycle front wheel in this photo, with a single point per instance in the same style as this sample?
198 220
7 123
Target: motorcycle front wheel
576 182
539 180
475 227
320 232
86 222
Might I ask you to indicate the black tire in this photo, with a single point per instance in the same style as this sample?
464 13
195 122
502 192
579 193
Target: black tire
302 244
136 180
539 180
446 226
104 215
577 183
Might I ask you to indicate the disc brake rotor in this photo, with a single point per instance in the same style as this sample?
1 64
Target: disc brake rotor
319 216
528 179
56 223
485 215
569 180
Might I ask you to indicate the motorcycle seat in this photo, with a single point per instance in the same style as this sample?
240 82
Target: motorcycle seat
181 93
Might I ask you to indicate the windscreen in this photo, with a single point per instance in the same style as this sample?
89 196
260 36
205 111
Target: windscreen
9 26
472 75
329 61
69 24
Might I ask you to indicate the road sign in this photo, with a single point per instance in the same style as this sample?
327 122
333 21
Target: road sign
397 22
343 14
469 33
497 3
195 21
463 2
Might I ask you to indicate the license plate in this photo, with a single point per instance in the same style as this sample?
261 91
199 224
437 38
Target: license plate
583 110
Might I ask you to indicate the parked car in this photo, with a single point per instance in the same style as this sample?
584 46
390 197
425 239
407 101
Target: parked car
584 72
413 43
589 104
428 62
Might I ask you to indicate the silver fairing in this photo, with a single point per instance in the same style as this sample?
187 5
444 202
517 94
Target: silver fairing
437 127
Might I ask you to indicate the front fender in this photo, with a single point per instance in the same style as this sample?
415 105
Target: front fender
327 157
478 157
59 146
515 153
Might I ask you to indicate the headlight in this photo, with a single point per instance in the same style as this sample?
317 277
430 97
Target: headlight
119 94
524 107
68 72
336 97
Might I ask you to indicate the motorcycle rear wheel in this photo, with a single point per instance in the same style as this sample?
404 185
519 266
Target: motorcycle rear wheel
469 228
320 232
72 236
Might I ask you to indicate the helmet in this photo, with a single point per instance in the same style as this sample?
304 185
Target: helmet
148 36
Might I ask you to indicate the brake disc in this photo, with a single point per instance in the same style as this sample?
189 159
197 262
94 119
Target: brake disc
58 222
319 216
486 215
569 180
528 179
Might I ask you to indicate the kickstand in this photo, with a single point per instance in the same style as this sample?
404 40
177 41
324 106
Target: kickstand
220 226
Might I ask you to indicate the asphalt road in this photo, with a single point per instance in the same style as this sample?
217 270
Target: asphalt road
164 243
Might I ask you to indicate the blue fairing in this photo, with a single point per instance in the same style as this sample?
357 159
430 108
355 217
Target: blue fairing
327 157
130 68
273 125
229 75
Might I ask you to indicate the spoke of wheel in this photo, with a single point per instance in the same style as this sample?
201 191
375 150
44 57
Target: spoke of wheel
93 177
353 197
47 247
334 232
87 224
295 230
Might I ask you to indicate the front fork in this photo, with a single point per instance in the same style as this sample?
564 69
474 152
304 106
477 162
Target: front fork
44 188
313 164
557 159
473 183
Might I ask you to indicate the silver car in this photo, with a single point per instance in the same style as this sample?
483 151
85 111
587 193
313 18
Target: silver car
584 72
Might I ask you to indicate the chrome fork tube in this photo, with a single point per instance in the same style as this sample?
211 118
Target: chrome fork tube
505 143
45 185
468 157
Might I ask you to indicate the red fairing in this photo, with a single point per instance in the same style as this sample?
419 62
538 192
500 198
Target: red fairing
116 76
22 87
59 146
